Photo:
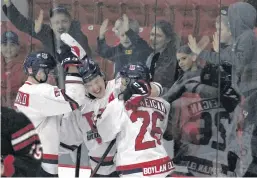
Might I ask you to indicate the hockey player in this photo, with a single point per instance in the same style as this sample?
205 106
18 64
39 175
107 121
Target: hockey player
21 151
74 130
45 104
138 133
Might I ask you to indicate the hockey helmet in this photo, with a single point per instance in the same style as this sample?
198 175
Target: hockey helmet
136 71
38 60
89 70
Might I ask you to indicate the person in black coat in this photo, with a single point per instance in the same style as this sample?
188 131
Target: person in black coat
132 48
49 35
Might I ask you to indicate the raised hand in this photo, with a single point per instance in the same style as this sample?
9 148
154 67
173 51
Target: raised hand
103 29
125 24
215 42
193 45
39 22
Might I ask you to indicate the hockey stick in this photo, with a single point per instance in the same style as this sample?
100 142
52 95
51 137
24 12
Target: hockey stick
60 70
78 161
108 149
76 49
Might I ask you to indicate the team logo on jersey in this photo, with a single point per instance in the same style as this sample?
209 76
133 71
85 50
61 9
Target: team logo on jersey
92 135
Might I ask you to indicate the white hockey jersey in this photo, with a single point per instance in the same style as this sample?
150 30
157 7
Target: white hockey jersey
204 126
138 136
78 127
45 105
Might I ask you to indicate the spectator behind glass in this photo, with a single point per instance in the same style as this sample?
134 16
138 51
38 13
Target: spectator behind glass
131 48
60 22
222 45
242 20
164 67
12 76
222 30
243 54
190 68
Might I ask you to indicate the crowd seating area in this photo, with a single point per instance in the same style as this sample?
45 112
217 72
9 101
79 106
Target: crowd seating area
195 17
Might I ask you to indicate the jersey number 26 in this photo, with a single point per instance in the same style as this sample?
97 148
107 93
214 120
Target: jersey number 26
139 143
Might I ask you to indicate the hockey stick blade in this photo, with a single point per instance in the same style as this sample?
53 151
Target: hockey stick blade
75 46
108 149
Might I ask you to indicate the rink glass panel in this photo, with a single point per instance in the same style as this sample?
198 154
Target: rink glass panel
196 17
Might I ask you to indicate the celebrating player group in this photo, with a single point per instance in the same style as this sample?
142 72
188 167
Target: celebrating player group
123 122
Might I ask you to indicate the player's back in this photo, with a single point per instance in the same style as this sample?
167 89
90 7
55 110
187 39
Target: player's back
204 126
28 96
139 139
45 104
141 136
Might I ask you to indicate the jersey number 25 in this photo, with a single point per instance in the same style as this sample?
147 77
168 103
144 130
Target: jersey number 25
139 143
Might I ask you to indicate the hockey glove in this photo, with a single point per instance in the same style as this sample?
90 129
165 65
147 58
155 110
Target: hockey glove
230 99
68 58
215 76
135 93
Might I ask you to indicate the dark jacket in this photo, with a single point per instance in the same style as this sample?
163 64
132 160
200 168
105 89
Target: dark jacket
21 151
165 69
137 52
46 34
243 53
177 88
225 56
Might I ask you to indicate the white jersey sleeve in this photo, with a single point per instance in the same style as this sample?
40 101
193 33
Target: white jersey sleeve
48 100
107 125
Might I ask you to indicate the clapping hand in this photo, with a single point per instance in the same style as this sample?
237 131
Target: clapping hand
39 22
193 45
215 42
103 29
